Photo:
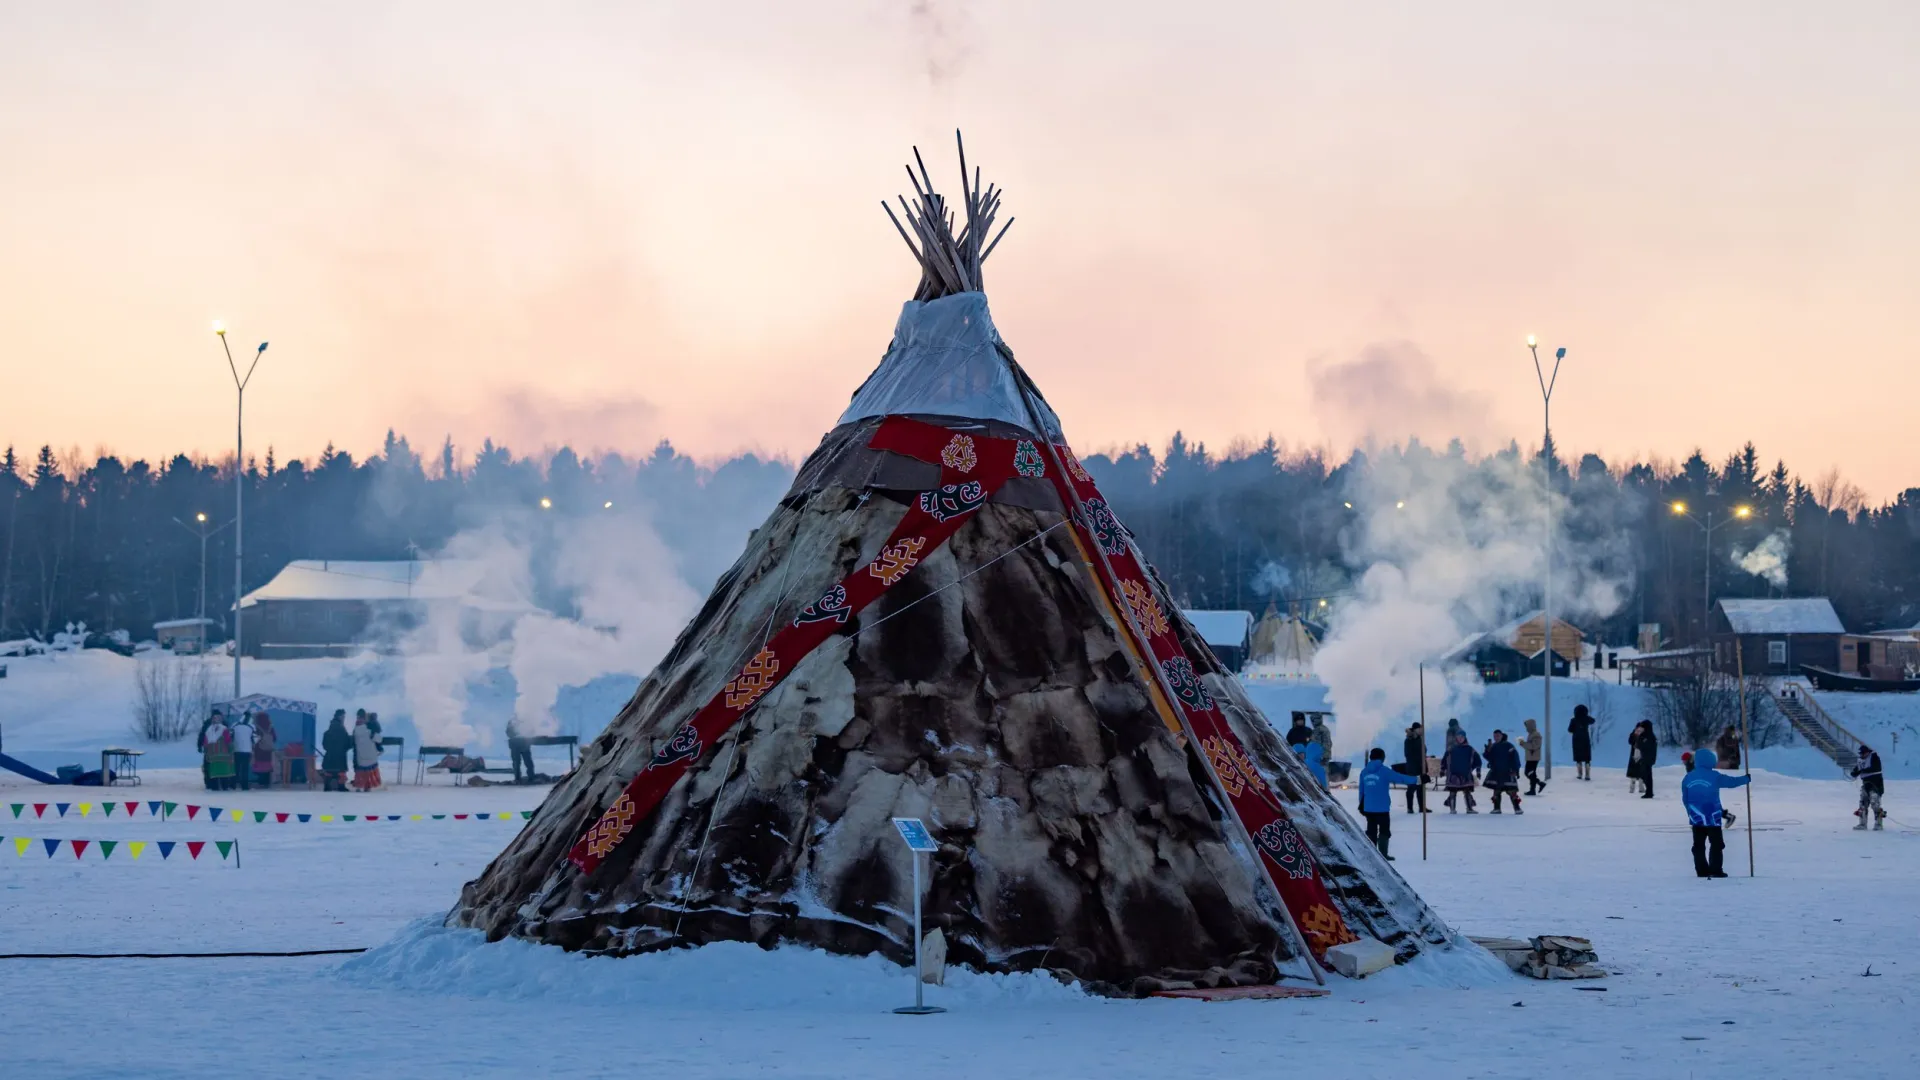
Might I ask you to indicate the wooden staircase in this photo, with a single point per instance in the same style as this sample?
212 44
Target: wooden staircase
1822 732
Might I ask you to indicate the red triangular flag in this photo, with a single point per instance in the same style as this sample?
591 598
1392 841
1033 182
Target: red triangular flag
192 811
131 807
39 809
80 847
281 818
194 846
459 817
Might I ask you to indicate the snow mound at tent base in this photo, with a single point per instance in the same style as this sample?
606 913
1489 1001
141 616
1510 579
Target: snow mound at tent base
1459 966
427 956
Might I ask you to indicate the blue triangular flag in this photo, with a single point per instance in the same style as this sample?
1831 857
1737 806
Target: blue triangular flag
214 811
393 817
52 846
153 807
62 807
306 817
483 817
166 848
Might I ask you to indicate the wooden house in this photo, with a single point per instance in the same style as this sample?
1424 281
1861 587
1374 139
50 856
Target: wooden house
1776 637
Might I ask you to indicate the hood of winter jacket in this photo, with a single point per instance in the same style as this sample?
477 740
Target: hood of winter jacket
1705 759
1530 726
1313 753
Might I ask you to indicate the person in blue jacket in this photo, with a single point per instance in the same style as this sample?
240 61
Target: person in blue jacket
1700 793
1376 797
1315 757
1503 771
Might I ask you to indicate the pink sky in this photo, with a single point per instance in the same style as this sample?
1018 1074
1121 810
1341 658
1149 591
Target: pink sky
603 225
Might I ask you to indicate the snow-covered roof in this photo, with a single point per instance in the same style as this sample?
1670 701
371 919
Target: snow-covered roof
1228 628
267 703
945 360
1800 615
319 579
181 624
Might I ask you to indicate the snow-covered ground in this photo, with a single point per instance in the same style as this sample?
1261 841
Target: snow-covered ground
1768 974
1743 977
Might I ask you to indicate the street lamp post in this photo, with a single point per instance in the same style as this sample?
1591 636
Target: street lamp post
1740 513
200 610
1547 383
239 481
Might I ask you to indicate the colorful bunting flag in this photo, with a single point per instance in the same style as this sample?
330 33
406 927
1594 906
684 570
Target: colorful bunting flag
194 846
17 807
261 815
135 847
153 807
224 846
106 808
20 844
192 811
106 848
62 807
52 846
80 847
39 809
85 808
166 848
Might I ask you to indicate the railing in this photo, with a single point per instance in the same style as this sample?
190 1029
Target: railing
1843 740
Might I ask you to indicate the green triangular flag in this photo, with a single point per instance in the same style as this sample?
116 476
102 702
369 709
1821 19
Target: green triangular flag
17 807
528 814
439 817
348 817
108 807
106 848
224 846
259 815
166 809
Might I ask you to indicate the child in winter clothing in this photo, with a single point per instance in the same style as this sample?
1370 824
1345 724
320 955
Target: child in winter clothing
1700 793
1531 743
366 755
1463 767
1873 785
1376 797
1643 749
1503 771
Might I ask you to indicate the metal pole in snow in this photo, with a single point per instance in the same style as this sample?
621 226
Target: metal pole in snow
1422 774
1746 751
919 973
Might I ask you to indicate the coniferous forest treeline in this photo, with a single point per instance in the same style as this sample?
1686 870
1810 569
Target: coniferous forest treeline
114 543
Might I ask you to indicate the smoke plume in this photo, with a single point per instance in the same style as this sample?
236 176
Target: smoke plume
1767 559
1445 547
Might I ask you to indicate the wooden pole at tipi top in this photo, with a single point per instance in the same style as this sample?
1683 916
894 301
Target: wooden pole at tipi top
1746 749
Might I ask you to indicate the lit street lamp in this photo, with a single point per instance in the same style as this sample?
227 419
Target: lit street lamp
239 480
1547 383
1740 513
200 612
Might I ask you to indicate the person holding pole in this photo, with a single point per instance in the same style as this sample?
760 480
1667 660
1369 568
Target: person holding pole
1700 793
1376 798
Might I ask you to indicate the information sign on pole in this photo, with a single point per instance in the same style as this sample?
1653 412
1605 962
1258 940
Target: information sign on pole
919 842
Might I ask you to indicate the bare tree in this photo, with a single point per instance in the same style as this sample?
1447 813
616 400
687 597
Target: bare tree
1691 713
171 695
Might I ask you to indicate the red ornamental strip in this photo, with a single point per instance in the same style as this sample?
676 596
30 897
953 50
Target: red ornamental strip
1284 853
972 468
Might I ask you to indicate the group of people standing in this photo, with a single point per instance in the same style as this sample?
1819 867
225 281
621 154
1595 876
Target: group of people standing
361 746
1502 761
238 754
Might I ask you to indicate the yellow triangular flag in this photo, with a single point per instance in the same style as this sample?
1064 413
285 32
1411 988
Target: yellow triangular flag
135 847
20 845
85 807
418 817
326 817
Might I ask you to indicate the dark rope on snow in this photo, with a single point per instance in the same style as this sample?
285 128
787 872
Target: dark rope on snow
173 955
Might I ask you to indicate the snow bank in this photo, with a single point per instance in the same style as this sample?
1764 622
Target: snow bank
427 956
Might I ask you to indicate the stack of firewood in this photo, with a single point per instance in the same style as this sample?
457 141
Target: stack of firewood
1549 956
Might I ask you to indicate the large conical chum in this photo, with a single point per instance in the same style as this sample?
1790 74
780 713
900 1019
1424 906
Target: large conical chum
944 620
